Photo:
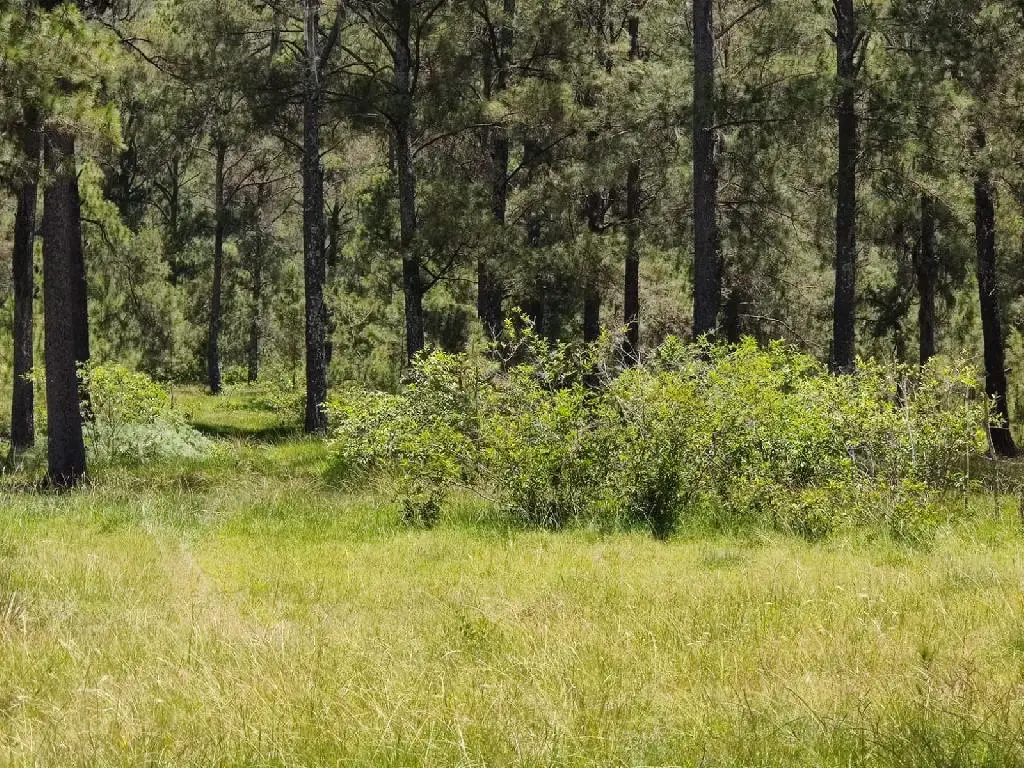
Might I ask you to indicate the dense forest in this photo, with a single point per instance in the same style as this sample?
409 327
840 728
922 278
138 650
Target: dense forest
218 191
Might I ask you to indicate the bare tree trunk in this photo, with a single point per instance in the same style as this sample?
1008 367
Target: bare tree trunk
591 287
213 341
536 301
707 269
412 279
333 250
217 286
844 352
490 292
62 238
927 277
256 323
631 293
314 257
988 291
23 434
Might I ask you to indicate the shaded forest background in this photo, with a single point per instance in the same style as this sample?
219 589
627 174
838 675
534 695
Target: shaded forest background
843 176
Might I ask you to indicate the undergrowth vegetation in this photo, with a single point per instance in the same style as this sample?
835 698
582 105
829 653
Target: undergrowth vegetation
131 418
128 419
722 436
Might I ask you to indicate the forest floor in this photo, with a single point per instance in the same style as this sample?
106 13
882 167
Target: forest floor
239 610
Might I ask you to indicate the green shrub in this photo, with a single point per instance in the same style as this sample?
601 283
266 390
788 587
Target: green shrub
130 417
726 436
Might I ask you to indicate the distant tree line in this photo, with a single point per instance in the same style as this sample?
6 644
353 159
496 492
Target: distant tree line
240 189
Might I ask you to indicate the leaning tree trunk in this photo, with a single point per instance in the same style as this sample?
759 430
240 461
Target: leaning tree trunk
314 257
988 291
412 279
927 277
843 319
490 292
213 341
62 235
631 293
23 434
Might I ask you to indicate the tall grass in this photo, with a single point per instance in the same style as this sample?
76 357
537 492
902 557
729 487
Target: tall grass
238 610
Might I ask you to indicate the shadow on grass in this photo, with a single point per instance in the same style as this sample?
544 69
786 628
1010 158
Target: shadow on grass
257 433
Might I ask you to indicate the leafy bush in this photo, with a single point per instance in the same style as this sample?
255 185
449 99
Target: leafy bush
130 417
724 435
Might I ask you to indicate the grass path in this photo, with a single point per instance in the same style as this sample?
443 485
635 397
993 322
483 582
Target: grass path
238 611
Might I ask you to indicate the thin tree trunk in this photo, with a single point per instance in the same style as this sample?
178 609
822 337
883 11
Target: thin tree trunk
535 303
631 293
596 206
731 326
333 239
412 280
256 323
988 291
62 236
490 292
591 288
23 434
707 270
213 342
843 330
314 261
927 277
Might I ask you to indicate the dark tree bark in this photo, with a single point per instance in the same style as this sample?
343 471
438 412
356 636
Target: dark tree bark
707 268
848 42
535 304
490 292
333 238
988 291
403 124
220 223
80 290
927 277
591 287
23 434
333 250
314 257
256 322
732 327
62 240
631 293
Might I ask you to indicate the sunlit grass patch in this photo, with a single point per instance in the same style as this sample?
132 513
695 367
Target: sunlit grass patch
240 608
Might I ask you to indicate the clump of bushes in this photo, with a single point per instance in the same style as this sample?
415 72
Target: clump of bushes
726 436
131 418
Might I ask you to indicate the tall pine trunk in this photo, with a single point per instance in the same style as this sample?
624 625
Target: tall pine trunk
23 434
405 172
927 277
631 292
843 320
490 292
62 246
707 270
220 222
314 258
988 292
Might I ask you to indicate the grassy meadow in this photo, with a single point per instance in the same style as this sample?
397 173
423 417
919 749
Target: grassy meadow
239 610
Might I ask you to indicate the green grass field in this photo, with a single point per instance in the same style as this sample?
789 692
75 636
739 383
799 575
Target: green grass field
239 611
